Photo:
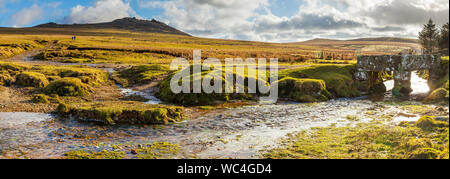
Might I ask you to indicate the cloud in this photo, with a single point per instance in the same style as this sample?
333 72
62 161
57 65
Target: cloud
100 11
208 17
403 12
3 5
250 20
26 16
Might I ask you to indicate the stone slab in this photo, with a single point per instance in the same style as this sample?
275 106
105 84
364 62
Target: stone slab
398 62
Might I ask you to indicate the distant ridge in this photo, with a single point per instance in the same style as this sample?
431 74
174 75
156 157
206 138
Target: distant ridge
127 23
388 39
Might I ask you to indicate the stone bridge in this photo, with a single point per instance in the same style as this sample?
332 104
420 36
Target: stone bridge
369 68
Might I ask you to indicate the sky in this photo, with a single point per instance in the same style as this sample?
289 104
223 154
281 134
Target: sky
256 20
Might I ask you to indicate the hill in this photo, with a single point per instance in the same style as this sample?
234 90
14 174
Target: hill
128 23
388 39
378 39
369 46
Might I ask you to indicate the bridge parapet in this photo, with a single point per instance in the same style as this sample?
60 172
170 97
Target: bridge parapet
397 63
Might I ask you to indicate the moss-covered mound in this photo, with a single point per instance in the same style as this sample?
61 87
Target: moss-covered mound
6 66
31 79
303 90
87 75
68 87
51 54
338 78
5 78
111 113
141 74
198 99
437 96
429 123
40 98
15 48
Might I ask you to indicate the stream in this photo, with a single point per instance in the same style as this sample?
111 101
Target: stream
227 133
222 133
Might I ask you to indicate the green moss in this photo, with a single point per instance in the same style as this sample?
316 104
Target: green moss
142 74
419 109
102 56
15 48
128 112
198 99
31 79
366 141
5 66
40 98
437 96
6 79
352 118
53 78
206 107
338 78
303 90
428 123
63 109
68 87
94 155
87 75
157 150
134 98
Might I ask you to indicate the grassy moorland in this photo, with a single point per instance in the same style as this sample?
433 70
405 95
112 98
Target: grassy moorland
424 139
154 46
84 79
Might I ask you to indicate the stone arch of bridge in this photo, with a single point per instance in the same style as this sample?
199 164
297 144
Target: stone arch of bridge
372 68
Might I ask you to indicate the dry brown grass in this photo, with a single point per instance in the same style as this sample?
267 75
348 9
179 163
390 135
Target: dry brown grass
183 46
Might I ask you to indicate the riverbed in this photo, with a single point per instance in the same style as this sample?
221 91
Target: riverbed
227 133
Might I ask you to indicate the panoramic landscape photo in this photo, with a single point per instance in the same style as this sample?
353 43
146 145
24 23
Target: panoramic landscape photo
224 79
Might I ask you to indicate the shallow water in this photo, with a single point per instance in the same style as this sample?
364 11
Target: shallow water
14 119
418 85
130 92
229 133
